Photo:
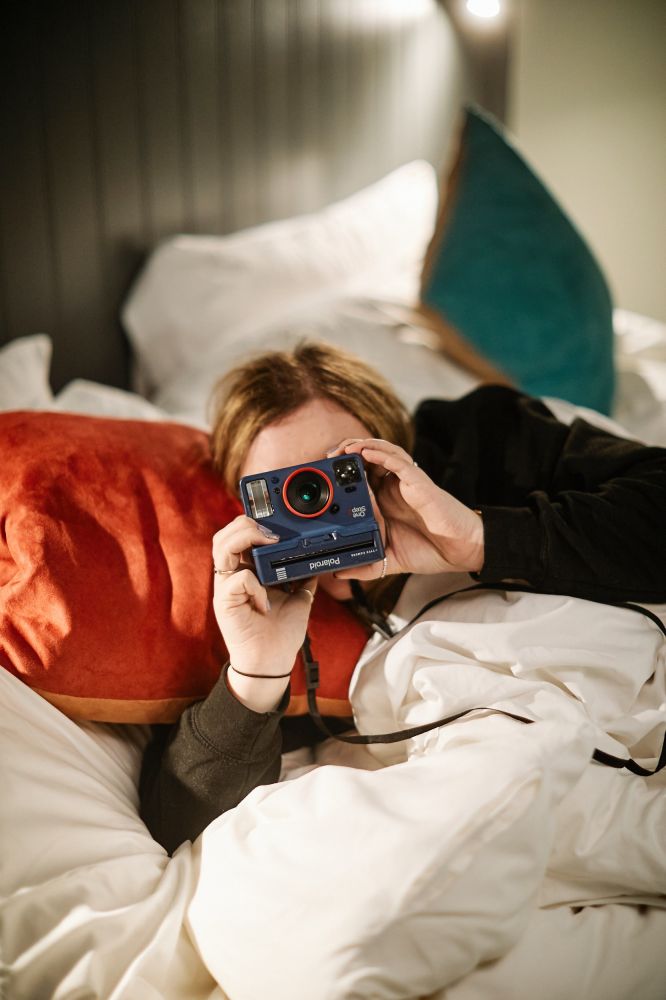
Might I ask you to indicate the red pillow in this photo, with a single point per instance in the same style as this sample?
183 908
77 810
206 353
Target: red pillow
106 574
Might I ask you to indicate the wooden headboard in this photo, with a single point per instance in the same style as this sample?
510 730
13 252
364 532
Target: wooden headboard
124 122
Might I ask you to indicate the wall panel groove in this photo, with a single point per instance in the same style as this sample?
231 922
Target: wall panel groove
123 123
26 240
74 162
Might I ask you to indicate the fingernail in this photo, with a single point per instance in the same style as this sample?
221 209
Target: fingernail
267 532
268 605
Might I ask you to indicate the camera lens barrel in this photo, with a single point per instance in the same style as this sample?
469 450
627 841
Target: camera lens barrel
307 492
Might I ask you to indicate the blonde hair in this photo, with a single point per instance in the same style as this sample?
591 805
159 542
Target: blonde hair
269 387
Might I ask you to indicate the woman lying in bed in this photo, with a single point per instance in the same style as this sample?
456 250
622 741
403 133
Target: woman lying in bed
497 488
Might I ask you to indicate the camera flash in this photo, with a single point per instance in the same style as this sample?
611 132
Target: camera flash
259 498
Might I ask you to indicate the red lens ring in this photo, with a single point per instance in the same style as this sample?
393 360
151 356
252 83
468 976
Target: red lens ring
297 472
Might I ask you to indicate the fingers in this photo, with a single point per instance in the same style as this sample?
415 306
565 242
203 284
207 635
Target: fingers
236 587
242 587
245 587
371 571
378 452
235 539
306 588
379 516
357 444
236 584
394 460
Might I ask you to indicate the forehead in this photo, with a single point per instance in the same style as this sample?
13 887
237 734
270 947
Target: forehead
303 436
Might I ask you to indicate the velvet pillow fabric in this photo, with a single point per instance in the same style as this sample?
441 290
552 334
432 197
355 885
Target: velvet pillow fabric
105 570
508 272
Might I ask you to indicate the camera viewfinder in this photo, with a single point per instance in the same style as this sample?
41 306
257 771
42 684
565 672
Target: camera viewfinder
346 471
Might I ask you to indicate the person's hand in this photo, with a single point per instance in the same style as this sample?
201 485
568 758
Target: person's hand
262 635
425 529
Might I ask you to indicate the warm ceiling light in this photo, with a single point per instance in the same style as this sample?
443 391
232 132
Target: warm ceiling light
483 8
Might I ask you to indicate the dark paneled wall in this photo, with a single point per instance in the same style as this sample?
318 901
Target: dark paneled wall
123 122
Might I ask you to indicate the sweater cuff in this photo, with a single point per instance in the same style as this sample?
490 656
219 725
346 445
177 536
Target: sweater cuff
234 729
512 545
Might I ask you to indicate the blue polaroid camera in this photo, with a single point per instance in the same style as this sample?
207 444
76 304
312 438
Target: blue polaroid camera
322 513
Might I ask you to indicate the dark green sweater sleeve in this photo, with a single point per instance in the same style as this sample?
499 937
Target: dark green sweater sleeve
566 508
207 763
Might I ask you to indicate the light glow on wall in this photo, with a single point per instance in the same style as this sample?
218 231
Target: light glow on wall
378 13
484 8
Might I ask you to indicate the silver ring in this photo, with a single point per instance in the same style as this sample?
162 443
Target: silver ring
223 572
383 572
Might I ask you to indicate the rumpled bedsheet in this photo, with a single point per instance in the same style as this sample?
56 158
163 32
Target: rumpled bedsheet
402 881
486 859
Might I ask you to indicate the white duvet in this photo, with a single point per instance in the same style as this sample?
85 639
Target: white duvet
469 863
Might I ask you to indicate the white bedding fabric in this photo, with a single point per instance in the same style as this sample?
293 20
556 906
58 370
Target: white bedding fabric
385 882
91 905
198 295
453 872
404 355
365 327
24 373
202 303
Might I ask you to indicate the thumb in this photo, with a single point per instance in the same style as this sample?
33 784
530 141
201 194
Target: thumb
371 571
307 587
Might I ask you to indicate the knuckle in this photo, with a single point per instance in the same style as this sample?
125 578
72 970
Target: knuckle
222 534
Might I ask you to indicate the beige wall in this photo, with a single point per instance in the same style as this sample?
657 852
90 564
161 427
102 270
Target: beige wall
587 105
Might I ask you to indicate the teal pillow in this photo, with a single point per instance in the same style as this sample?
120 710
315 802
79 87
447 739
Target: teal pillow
510 272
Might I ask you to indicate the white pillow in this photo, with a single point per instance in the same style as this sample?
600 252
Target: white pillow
361 326
567 412
24 373
196 290
95 399
640 358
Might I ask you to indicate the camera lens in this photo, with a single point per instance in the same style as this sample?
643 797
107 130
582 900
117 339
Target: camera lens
307 492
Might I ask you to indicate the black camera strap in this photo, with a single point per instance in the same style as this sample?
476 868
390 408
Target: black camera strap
312 683
368 614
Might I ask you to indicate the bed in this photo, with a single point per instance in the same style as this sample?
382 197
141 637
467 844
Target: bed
478 861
